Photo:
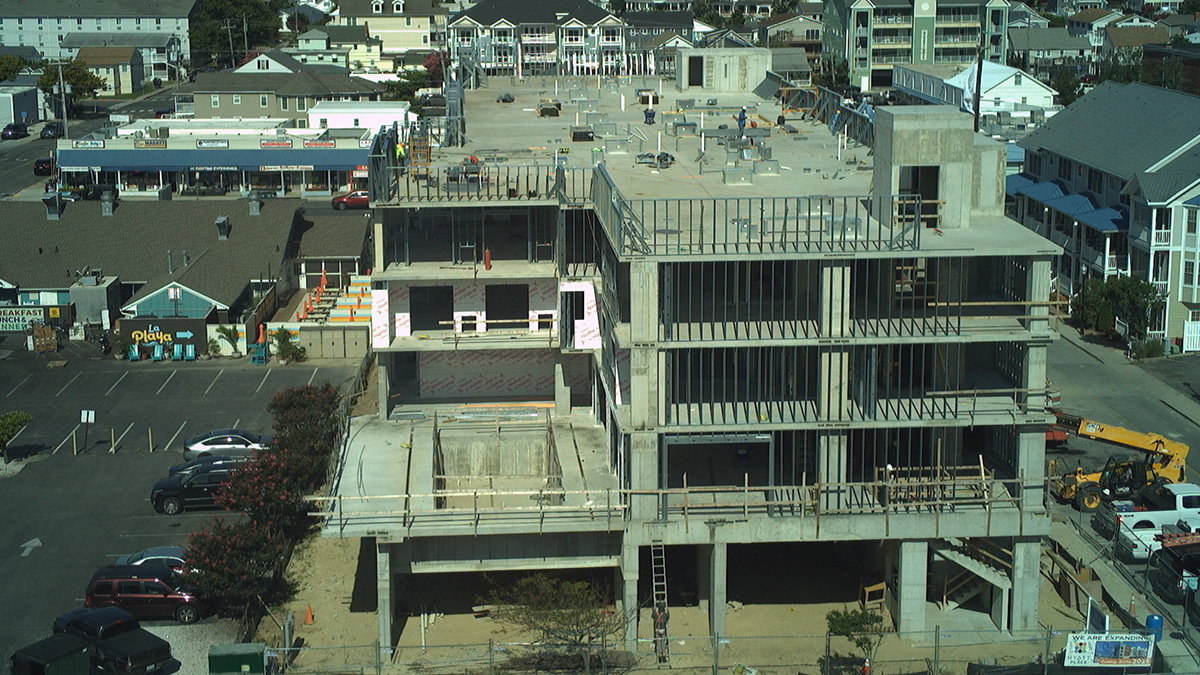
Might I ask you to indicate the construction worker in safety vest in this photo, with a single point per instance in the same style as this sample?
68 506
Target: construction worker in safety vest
401 156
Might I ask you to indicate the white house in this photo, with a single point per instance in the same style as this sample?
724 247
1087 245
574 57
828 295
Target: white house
359 114
1003 89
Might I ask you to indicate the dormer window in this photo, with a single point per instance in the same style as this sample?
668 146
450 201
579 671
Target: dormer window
397 6
377 7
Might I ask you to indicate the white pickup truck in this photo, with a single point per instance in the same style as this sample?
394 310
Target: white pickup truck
1164 505
1137 544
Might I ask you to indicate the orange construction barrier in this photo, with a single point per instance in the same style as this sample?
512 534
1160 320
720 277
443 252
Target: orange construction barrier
308 617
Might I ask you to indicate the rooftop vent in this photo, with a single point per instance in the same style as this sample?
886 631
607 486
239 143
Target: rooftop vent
223 227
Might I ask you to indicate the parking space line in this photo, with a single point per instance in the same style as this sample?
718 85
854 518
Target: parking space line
14 389
110 389
60 391
64 441
14 436
313 376
172 441
264 381
237 423
121 438
169 537
198 514
164 384
210 386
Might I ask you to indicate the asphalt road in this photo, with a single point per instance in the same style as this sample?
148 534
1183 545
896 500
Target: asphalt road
86 509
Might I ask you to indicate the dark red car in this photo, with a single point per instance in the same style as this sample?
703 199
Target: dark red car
355 200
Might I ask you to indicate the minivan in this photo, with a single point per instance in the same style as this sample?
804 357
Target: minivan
145 591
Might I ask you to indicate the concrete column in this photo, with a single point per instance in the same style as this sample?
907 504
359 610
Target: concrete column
1026 583
644 317
910 592
562 392
1037 285
832 461
386 604
628 577
704 577
833 391
380 262
717 574
643 474
999 607
382 375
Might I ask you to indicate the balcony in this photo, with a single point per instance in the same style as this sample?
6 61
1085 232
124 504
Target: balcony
537 39
1060 238
964 39
1162 237
539 58
879 41
1163 287
1091 256
573 41
893 19
1116 263
951 19
502 39
612 40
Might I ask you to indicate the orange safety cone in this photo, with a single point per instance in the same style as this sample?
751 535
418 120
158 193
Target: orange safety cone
308 617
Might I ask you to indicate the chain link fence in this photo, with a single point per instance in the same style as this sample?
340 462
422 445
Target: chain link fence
934 652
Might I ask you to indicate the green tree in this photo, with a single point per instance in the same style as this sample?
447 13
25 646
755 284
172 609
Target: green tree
782 7
285 347
704 12
619 7
1123 65
84 84
1133 300
232 562
1056 21
270 490
306 419
10 66
210 39
1067 86
1166 73
405 87
229 334
1190 7
11 423
571 615
863 629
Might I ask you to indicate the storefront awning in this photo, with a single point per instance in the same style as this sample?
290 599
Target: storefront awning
323 159
1072 204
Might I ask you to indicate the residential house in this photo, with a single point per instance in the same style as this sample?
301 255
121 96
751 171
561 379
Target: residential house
30 54
654 36
1021 15
45 25
730 38
273 85
751 9
1002 89
1118 38
1154 7
649 24
351 47
792 64
402 25
1132 212
650 5
1181 25
539 37
1090 23
792 30
873 36
312 11
162 53
1043 52
121 68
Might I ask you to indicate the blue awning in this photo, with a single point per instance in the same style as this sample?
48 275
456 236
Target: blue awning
320 159
1071 205
1041 192
1015 182
1105 220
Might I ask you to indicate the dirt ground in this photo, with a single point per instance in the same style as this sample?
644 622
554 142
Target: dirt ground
336 578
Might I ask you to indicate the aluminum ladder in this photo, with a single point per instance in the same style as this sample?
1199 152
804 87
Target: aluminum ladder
658 568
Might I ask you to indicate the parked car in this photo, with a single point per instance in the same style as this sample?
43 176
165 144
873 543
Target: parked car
15 130
211 460
116 641
155 556
164 113
171 496
43 166
59 654
355 200
228 442
52 130
145 591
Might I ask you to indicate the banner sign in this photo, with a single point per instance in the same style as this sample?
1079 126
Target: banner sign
18 318
212 143
320 144
1109 650
280 143
91 145
150 143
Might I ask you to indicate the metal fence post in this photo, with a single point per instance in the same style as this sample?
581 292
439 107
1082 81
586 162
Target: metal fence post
491 656
1046 656
937 650
825 663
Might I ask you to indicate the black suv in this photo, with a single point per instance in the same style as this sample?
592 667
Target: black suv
15 130
52 130
43 166
199 488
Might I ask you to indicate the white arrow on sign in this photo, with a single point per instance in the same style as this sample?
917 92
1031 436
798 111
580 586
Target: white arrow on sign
29 546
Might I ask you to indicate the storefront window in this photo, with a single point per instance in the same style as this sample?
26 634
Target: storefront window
316 181
264 180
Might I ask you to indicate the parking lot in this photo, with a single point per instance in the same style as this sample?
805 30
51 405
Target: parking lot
68 514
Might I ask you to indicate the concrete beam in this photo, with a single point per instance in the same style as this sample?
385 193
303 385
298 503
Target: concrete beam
912 566
643 474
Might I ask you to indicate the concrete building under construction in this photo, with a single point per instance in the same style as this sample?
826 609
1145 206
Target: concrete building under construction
603 343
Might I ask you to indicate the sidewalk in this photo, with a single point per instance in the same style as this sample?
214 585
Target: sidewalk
1187 407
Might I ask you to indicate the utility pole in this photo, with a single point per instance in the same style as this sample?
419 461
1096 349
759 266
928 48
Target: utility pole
245 35
228 28
62 97
978 84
